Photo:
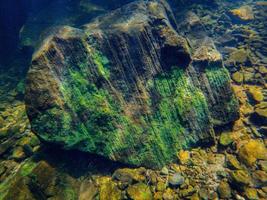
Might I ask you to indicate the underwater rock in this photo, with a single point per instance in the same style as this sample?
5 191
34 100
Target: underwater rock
252 151
226 139
130 175
224 190
240 178
176 180
244 13
108 189
139 191
127 87
260 114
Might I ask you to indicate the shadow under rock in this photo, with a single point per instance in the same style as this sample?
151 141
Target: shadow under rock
76 163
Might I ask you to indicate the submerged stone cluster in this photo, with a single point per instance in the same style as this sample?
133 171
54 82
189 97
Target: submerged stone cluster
128 87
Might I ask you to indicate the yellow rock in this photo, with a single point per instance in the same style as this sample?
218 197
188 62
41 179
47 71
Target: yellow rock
244 13
169 194
238 56
108 189
224 190
161 186
183 156
240 177
226 138
139 191
232 162
251 193
253 150
158 196
256 93
238 77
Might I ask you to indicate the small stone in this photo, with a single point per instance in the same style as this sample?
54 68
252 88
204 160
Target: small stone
169 194
256 93
164 171
250 152
204 193
161 186
187 192
18 153
262 194
263 70
226 139
224 190
240 178
88 191
260 177
248 76
195 197
232 162
238 77
176 180
263 165
260 114
2 122
239 56
158 195
139 191
244 13
129 176
251 193
183 157
108 189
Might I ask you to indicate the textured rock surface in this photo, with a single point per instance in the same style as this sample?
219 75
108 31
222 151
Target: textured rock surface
128 87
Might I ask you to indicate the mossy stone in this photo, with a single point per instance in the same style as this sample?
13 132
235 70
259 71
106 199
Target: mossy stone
169 194
238 77
256 94
260 177
263 165
260 114
108 189
139 191
129 176
226 139
232 162
18 153
224 190
239 56
240 178
251 194
187 192
2 121
161 186
250 152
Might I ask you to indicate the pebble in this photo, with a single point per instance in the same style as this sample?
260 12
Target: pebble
176 180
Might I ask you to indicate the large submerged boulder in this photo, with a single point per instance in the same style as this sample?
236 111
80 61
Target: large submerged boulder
128 87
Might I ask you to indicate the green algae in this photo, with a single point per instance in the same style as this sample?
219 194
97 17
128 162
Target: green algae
27 168
219 81
24 170
93 120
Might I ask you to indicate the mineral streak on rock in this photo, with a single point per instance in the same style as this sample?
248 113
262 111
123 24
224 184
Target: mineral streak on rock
127 87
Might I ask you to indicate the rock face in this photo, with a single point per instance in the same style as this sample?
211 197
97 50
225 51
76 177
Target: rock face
128 87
